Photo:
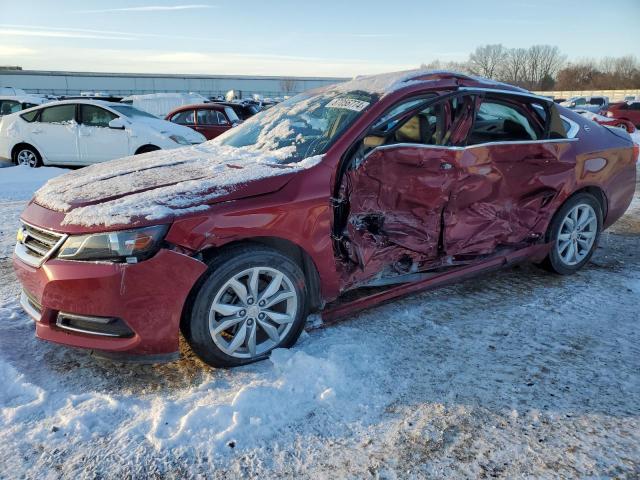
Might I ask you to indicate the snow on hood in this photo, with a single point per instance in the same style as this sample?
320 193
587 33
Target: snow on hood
159 185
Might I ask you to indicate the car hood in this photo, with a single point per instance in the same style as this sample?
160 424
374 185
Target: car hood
158 186
166 128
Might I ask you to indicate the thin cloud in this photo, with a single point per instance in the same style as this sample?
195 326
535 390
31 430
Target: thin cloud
59 34
150 8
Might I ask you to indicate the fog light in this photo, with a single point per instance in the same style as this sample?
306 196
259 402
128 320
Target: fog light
104 326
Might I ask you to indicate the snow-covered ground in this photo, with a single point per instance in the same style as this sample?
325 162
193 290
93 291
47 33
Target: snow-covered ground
514 374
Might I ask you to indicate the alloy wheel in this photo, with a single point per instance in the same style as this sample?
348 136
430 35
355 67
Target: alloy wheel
28 158
253 312
623 126
577 234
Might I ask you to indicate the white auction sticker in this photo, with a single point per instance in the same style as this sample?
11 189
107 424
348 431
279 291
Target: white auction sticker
348 104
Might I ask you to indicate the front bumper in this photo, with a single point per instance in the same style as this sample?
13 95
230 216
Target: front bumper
148 297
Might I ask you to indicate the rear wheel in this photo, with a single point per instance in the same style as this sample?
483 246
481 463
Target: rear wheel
574 233
623 126
254 300
27 156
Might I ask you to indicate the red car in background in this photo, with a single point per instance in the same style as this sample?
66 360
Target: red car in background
210 119
333 201
610 122
629 111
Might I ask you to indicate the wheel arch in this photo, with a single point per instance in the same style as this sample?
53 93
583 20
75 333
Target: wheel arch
147 147
286 247
594 191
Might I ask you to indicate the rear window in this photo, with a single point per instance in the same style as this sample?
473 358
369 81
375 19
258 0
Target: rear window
596 101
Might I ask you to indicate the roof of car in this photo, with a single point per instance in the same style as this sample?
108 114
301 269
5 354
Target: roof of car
386 83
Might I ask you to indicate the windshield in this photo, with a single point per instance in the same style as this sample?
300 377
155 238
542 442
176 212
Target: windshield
301 127
131 112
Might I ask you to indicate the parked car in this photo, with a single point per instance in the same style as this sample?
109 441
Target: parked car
595 104
401 182
244 110
632 98
611 122
629 111
210 119
82 132
12 104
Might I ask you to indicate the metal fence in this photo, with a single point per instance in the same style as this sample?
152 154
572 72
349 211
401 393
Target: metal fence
614 95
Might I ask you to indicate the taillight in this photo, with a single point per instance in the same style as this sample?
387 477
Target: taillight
636 151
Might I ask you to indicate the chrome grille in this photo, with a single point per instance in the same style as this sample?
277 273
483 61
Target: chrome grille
35 245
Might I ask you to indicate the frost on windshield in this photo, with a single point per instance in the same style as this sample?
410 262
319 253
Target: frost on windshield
301 127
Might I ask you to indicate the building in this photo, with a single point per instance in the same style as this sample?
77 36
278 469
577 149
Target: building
121 84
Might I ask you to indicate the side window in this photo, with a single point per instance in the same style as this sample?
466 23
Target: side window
207 117
438 124
501 122
580 101
9 106
95 116
59 114
184 118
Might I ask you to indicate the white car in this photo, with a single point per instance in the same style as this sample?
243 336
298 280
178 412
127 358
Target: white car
82 132
14 103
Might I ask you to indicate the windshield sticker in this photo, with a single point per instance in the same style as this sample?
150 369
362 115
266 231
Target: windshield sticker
348 104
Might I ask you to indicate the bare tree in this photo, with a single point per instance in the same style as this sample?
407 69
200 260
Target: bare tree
488 60
288 85
515 66
543 63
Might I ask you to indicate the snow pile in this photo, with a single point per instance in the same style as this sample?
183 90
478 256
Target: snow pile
160 184
19 182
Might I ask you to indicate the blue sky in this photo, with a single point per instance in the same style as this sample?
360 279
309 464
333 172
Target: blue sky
286 37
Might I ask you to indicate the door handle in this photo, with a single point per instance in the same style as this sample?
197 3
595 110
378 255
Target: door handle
37 130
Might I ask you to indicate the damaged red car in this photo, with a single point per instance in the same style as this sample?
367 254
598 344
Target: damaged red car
333 201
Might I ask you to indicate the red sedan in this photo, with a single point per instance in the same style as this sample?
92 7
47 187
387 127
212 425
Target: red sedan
627 111
611 122
400 182
210 119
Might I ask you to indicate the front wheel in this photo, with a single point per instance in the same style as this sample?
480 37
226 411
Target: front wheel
253 301
574 233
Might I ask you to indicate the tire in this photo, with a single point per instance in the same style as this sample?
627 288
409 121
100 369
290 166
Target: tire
275 326
583 241
27 155
623 126
147 149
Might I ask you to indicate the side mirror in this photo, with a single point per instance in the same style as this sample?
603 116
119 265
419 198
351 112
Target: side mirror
117 124
372 141
573 104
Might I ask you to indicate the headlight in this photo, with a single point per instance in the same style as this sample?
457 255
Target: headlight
128 246
179 139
